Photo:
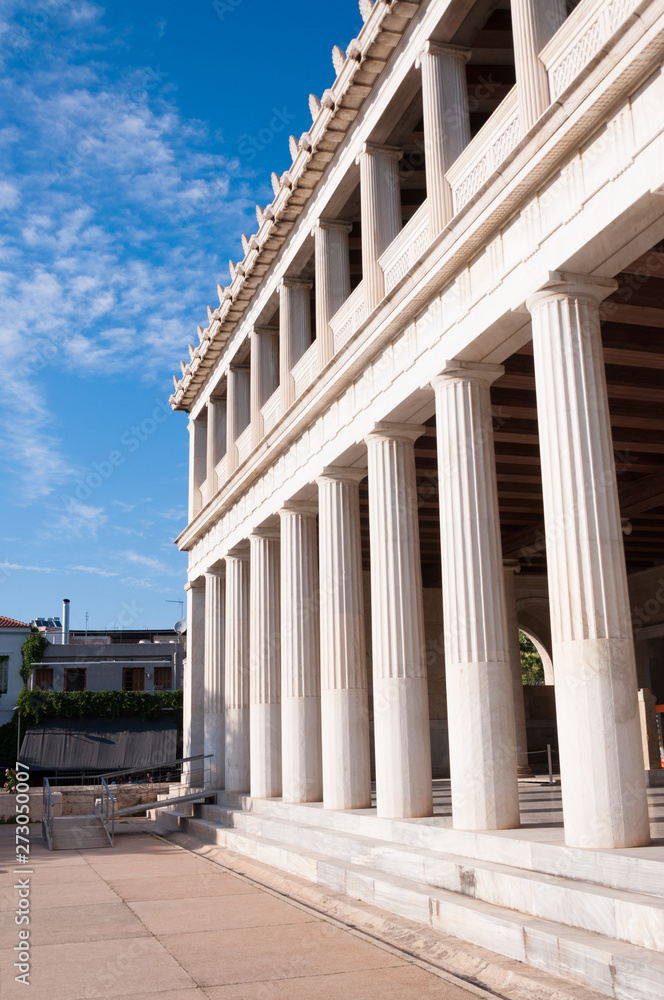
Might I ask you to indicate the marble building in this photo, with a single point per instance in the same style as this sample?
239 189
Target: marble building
427 411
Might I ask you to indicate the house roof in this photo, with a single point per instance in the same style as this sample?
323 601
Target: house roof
12 623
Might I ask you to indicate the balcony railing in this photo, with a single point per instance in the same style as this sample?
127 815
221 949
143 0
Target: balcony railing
407 248
221 472
583 35
243 445
306 369
203 489
481 157
348 318
271 411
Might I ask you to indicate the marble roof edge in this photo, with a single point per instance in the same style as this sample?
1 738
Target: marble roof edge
191 383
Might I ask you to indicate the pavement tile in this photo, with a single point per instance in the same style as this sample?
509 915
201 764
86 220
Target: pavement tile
218 958
408 983
74 893
68 924
214 913
204 883
126 967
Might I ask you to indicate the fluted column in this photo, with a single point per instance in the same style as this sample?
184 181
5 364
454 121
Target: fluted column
300 655
194 683
238 412
265 647
237 670
216 441
264 376
380 197
332 280
344 697
214 721
603 782
510 568
294 332
446 123
197 464
480 708
534 22
401 699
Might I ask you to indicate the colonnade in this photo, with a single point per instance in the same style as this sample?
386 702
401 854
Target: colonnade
296 714
274 352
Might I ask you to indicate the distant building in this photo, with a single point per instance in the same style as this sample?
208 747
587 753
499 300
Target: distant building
110 660
12 637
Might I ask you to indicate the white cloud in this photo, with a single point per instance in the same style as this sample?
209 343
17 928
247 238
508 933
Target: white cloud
148 561
79 520
9 195
92 569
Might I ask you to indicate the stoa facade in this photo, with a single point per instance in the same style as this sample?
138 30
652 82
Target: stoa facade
425 409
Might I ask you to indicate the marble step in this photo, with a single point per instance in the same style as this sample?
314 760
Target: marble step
614 968
636 918
632 870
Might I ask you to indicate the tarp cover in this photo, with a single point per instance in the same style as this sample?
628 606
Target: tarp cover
98 744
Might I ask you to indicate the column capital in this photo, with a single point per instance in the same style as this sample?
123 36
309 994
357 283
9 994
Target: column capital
240 551
273 331
340 473
432 48
386 430
512 564
197 584
218 571
294 283
569 284
238 366
331 224
272 533
467 371
306 507
373 148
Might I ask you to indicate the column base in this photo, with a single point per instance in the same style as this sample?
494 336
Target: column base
346 763
237 750
302 774
265 756
403 747
215 769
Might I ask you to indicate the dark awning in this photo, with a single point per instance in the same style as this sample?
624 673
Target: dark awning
98 744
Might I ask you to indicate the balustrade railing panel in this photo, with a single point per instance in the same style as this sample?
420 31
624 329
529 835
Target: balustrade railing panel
271 411
407 248
348 317
243 445
306 369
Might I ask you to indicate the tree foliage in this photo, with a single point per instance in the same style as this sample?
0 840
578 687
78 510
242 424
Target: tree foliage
532 668
32 651
39 705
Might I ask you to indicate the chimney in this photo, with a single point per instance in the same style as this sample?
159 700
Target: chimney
65 620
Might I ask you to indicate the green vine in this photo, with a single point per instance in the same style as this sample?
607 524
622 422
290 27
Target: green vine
532 668
31 651
39 705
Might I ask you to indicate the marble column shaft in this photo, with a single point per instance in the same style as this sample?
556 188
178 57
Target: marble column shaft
380 197
344 690
300 655
194 684
264 376
237 671
214 719
294 333
332 280
510 568
603 781
477 666
446 123
265 657
401 698
216 441
534 22
238 411
197 464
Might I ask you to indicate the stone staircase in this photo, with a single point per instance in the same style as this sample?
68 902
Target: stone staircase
78 833
593 917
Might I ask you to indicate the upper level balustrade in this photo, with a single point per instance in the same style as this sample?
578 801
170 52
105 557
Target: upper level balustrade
346 320
407 248
305 371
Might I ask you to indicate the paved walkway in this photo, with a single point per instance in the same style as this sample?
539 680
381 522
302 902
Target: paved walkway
151 920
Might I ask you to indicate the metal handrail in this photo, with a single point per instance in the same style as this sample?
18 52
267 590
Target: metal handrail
157 767
47 814
107 812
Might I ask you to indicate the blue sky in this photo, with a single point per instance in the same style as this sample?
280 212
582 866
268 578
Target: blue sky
135 142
